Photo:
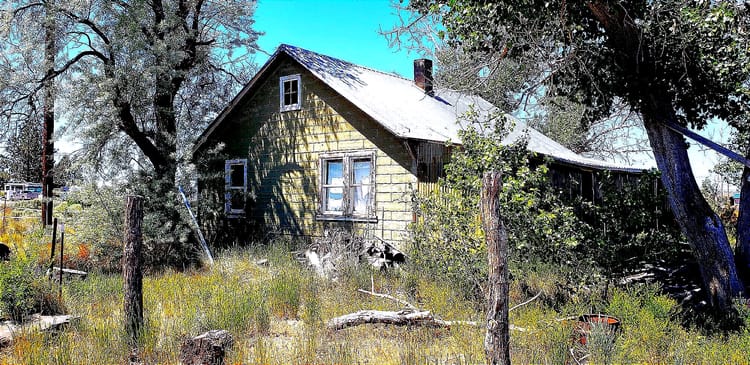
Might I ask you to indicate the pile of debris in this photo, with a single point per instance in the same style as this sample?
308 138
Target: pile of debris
339 248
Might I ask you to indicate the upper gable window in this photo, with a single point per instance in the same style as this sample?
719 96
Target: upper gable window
290 93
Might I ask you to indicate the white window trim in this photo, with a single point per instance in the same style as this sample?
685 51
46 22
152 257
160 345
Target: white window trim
293 106
348 213
228 188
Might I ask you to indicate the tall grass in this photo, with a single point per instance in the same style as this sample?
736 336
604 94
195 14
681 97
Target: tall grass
277 315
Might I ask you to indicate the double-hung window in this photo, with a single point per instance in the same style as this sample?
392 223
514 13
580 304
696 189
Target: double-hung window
235 187
347 186
290 93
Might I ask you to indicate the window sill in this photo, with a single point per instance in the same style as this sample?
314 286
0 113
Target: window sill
290 108
343 218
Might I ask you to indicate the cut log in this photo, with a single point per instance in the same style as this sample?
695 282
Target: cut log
206 349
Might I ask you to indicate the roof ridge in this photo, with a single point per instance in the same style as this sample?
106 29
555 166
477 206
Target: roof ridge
293 47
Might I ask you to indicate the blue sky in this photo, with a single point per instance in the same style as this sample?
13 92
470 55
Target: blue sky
338 28
348 29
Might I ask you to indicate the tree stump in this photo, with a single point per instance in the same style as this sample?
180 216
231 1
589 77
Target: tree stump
206 349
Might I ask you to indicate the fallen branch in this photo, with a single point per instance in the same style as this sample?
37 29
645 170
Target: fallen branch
386 296
365 316
406 317
400 318
526 302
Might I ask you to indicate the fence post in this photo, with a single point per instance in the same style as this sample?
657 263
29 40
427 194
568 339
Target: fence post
497 338
52 249
132 268
62 258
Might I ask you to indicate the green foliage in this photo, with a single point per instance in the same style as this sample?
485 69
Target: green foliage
550 234
24 290
693 54
448 239
93 218
629 224
646 319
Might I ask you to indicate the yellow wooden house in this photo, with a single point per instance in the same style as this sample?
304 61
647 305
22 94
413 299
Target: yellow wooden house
313 143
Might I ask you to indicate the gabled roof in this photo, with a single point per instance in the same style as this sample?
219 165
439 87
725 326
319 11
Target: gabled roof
404 109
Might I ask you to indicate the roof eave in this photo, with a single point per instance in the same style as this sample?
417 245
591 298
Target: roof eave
199 144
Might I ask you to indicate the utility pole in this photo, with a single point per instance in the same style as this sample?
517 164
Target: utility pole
48 148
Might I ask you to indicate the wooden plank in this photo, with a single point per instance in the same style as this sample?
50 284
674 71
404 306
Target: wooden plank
9 330
56 270
708 143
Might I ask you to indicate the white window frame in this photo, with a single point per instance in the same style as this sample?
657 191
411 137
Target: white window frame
347 213
282 91
229 189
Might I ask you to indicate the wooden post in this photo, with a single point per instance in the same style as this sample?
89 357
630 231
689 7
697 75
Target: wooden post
497 338
52 249
62 255
132 268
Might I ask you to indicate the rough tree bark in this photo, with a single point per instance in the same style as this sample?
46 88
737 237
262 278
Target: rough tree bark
132 268
48 148
497 338
742 251
698 222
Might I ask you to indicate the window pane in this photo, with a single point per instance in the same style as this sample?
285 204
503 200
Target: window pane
361 172
237 176
334 199
362 198
237 200
361 192
335 172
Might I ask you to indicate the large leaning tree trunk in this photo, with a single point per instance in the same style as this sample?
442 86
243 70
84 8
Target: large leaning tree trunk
699 223
646 92
742 250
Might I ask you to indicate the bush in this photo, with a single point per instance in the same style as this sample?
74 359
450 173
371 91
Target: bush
448 238
93 227
630 223
24 290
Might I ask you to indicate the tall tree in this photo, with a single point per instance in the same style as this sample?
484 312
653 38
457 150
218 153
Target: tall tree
672 61
138 75
22 151
48 147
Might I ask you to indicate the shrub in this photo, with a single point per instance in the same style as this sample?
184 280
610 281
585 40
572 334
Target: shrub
24 290
448 238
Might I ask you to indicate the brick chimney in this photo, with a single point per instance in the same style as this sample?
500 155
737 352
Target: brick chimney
423 75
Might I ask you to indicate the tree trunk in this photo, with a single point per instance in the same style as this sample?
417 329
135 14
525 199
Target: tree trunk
743 225
132 268
702 227
497 339
48 149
